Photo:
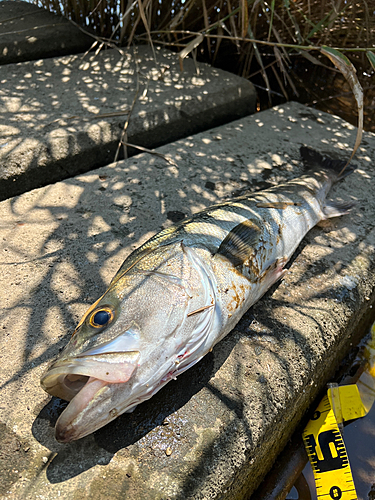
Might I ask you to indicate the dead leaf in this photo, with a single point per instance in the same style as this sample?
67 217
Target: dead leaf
347 69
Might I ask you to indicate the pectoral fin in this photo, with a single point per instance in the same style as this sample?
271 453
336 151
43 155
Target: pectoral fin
239 243
274 271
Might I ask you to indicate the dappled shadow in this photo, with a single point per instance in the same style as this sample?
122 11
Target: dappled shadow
62 244
149 418
28 33
65 116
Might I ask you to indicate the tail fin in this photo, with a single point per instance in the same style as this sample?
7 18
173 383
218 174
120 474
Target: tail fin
313 159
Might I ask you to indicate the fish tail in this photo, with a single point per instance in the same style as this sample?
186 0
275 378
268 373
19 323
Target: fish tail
313 159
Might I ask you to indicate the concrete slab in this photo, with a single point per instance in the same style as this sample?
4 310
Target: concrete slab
64 116
215 431
28 32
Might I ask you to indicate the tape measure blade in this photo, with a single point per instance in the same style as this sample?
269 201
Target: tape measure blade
327 454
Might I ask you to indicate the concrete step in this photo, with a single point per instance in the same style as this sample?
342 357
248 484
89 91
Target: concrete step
64 116
28 32
215 431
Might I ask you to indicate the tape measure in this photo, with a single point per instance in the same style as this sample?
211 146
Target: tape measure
325 446
322 437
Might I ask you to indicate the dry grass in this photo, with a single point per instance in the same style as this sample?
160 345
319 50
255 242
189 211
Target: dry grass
339 23
253 38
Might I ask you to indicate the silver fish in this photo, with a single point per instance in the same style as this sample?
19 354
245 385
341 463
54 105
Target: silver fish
180 293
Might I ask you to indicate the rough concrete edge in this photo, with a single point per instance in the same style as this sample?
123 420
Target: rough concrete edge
356 329
342 344
347 338
238 101
359 327
238 486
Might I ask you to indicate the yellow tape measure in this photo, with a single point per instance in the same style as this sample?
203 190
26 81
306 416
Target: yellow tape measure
325 446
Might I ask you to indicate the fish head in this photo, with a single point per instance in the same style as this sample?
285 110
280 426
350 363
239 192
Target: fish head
119 334
102 354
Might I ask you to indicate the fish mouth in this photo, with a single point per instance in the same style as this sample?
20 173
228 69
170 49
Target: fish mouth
86 381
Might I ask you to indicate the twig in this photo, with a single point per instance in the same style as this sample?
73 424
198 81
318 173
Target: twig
151 152
33 13
143 17
123 16
261 42
102 40
124 131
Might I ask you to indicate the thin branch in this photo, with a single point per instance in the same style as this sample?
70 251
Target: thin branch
151 152
261 42
125 129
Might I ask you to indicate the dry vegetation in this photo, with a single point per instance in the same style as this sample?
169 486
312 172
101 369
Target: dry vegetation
272 42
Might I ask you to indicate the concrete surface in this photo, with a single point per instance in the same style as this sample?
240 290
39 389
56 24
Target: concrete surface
64 116
215 431
28 32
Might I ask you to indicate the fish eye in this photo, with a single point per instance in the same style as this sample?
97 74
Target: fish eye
101 317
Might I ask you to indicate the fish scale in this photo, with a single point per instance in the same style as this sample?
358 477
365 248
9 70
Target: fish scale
180 293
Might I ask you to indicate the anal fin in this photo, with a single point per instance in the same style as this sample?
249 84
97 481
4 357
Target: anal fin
337 208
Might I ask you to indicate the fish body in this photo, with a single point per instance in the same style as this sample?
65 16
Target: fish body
180 293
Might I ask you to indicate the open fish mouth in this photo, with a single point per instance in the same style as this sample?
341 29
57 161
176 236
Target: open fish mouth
66 377
86 382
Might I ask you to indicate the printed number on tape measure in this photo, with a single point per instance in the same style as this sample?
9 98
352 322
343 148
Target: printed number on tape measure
328 457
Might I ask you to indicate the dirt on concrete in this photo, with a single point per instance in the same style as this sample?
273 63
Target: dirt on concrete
214 432
64 116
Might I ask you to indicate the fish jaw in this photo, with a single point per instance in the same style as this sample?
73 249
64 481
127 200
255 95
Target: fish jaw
89 383
76 422
66 377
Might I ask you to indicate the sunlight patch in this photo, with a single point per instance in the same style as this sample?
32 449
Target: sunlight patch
98 226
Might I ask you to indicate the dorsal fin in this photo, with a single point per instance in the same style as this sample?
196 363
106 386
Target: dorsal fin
239 243
313 159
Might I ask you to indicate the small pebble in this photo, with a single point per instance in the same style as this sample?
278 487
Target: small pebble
45 459
168 451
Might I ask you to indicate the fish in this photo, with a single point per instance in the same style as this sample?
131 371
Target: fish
181 292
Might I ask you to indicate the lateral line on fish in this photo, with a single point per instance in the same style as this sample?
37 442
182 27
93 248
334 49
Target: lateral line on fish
278 204
201 309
